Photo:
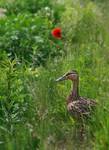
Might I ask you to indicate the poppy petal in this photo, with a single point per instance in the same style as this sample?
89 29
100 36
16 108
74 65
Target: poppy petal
57 33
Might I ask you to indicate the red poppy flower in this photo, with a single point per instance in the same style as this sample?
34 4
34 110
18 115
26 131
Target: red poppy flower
57 33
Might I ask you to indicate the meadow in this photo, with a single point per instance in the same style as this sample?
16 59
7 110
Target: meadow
33 114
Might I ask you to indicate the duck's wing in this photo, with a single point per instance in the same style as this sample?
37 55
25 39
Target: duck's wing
81 107
88 102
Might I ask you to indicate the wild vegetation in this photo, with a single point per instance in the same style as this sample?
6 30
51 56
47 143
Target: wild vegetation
33 111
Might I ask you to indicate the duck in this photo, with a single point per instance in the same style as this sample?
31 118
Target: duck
79 107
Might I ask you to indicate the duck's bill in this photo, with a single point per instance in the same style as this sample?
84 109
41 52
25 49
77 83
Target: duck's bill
61 78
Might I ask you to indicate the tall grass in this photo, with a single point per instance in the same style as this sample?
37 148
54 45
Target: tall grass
33 110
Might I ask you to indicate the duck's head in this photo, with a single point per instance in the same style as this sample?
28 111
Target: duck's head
72 75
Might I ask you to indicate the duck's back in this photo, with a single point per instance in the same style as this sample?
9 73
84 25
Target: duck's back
81 108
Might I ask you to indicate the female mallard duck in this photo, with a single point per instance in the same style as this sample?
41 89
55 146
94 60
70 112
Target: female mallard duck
79 107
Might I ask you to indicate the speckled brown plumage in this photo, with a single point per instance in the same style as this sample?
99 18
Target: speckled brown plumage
79 107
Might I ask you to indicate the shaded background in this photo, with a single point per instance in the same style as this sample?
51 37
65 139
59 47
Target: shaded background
32 106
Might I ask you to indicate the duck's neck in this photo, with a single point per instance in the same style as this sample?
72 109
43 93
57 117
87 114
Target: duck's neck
75 90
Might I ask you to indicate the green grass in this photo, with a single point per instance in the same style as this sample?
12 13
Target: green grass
33 112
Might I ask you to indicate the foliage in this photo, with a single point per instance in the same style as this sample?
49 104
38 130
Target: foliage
32 105
17 6
16 105
28 37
